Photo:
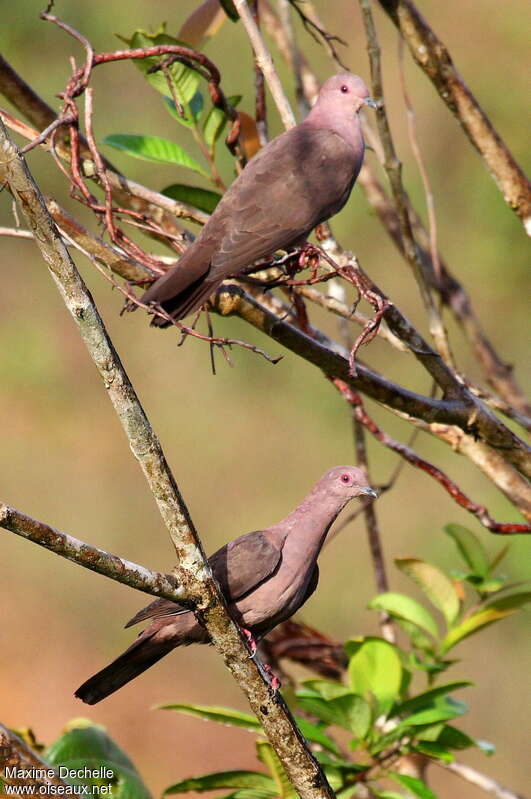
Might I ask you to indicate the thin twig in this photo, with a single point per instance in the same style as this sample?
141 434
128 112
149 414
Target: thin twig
432 56
393 167
478 779
481 513
265 62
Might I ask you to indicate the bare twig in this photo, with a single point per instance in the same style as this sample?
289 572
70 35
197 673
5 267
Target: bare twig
393 167
478 779
265 62
432 56
191 571
503 528
97 560
318 33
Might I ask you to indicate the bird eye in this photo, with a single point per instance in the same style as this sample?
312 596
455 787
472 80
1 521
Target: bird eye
345 478
344 89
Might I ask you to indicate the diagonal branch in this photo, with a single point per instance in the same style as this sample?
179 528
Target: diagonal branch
192 570
16 754
432 56
93 558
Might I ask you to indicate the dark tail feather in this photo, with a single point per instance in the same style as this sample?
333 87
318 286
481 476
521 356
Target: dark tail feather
139 657
188 301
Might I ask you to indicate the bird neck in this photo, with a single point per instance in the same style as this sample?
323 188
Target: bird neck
308 525
349 128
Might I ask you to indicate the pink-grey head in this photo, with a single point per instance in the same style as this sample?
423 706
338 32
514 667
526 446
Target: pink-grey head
345 93
346 482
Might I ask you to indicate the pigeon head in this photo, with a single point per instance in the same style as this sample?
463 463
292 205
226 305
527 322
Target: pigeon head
345 93
347 482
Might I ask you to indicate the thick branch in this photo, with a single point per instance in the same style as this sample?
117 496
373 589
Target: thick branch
433 57
97 560
192 571
15 753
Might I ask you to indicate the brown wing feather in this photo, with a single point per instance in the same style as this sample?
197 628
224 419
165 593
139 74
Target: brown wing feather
239 567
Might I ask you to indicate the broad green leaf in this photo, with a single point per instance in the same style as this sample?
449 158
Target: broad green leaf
470 548
413 785
185 79
91 747
419 639
441 709
435 584
427 698
269 758
452 738
349 711
223 715
494 611
375 669
230 10
192 110
153 148
497 559
404 607
339 763
203 199
216 121
223 779
316 734
325 688
434 750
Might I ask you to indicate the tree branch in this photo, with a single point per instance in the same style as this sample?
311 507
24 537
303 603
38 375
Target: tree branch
475 777
432 56
15 753
192 571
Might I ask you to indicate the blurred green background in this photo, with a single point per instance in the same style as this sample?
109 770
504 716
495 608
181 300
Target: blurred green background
247 444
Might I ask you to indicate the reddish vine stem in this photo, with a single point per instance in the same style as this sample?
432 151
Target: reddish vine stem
480 511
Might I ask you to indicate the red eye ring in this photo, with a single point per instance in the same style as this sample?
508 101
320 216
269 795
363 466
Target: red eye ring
345 478
344 89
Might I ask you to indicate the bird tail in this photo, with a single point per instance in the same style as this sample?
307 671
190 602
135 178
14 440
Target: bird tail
142 654
186 302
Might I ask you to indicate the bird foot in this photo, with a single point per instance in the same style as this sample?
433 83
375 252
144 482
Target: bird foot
271 679
251 643
308 256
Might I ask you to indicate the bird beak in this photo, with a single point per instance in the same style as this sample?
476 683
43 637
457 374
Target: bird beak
371 492
372 103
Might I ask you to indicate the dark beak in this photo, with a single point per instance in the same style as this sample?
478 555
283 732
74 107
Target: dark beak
372 103
370 492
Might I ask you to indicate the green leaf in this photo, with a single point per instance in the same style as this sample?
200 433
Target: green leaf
327 689
427 698
229 9
375 669
435 584
348 711
470 548
316 734
269 758
494 611
433 750
91 747
413 785
452 738
251 793
192 110
497 559
223 779
153 148
185 79
203 199
441 709
404 607
216 121
223 715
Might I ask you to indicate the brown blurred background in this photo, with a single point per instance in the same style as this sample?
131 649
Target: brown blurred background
247 444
